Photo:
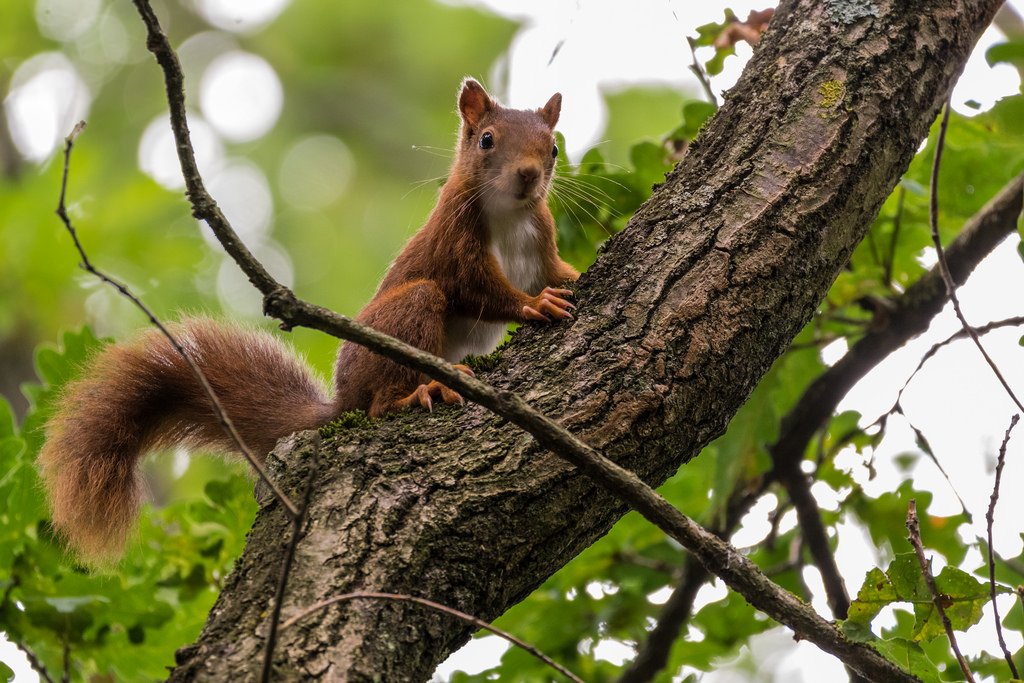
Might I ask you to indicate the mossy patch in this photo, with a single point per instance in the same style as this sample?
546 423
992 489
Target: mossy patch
493 361
354 419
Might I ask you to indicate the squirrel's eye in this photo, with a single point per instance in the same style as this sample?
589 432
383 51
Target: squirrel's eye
554 150
486 140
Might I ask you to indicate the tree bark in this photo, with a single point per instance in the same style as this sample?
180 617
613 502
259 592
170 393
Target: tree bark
679 318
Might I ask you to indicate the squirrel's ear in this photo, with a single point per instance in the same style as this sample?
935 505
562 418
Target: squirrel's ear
551 110
473 102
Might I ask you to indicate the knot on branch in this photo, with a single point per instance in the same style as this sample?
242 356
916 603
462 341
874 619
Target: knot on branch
204 208
281 303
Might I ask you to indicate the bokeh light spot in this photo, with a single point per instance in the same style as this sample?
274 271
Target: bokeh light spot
158 155
240 16
237 294
65 20
241 96
47 98
243 194
315 171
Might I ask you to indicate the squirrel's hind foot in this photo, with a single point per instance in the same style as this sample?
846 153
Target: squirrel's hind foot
424 395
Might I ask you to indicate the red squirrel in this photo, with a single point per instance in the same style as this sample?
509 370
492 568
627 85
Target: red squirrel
452 291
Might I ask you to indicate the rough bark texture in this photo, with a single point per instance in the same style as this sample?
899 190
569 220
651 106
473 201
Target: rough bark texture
678 320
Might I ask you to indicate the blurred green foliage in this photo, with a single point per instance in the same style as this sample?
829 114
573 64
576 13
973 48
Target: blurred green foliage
125 620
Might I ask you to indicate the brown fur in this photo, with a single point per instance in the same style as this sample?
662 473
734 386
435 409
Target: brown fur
142 396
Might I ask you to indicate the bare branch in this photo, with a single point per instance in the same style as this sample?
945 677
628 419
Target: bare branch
653 656
914 526
203 206
947 275
478 623
699 72
990 518
33 661
1015 321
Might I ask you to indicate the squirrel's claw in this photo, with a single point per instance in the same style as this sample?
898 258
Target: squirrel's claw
549 303
424 394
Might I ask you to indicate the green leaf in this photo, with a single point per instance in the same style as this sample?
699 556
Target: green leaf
7 427
219 491
905 653
885 520
707 33
695 115
1010 52
875 593
70 604
909 656
6 672
715 65
592 161
963 596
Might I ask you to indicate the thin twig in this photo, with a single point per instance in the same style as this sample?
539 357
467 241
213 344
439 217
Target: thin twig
897 407
990 518
1015 321
66 673
203 206
33 661
914 526
896 222
297 522
913 312
479 623
947 276
200 377
699 72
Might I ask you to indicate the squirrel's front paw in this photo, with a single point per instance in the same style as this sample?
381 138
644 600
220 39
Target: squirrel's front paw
549 304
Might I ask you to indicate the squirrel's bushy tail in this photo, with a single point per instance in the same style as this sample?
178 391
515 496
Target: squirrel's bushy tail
137 397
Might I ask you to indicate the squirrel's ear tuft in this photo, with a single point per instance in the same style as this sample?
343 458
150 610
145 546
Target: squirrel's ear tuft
474 102
550 111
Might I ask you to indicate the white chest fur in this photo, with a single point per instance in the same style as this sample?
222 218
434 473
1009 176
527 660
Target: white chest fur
514 244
